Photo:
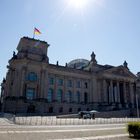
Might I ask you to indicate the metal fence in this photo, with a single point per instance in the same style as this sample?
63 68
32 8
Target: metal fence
51 120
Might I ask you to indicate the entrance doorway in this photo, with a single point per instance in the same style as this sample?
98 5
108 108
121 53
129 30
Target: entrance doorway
31 109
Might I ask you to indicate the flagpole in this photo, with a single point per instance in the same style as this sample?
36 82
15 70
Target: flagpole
34 34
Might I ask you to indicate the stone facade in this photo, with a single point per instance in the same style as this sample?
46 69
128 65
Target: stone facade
32 84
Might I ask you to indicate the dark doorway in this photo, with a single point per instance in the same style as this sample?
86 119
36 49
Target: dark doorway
85 98
31 109
121 94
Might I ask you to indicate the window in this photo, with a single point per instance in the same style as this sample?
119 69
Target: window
70 109
85 98
78 97
51 80
60 109
50 109
59 95
86 85
69 96
69 83
78 84
79 109
60 82
32 76
50 95
30 93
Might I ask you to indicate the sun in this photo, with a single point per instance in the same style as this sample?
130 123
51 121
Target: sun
78 4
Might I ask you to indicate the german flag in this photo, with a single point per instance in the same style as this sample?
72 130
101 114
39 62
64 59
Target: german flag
36 31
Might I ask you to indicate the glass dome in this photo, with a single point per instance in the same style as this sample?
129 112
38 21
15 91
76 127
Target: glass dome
78 63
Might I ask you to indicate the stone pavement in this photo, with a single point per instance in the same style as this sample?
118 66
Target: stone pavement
4 121
75 132
11 131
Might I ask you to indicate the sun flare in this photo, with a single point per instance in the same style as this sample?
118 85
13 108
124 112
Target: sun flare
78 4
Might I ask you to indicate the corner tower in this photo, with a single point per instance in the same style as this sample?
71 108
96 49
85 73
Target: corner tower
32 49
26 74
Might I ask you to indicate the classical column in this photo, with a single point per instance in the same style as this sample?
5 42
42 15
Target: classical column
99 92
82 92
118 92
7 85
11 83
94 90
22 81
124 93
111 92
41 85
55 88
105 90
8 90
16 84
115 93
73 90
65 89
45 84
131 94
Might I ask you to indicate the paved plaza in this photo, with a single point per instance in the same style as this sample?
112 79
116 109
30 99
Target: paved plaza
84 131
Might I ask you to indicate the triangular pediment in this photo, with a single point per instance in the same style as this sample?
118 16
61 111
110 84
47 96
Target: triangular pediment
120 71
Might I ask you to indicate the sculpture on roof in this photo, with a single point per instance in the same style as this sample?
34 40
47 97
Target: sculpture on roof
125 64
93 59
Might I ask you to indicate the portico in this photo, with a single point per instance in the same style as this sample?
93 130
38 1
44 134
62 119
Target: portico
118 92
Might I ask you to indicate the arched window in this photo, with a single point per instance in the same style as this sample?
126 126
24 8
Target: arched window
78 97
59 95
69 96
32 76
50 95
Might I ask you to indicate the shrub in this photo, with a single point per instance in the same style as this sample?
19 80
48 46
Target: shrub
134 129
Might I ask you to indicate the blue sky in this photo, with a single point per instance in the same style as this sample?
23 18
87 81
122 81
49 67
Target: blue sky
110 28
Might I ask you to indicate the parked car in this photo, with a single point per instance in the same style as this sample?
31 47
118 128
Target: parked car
87 114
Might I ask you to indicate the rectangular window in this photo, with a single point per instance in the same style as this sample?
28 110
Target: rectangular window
78 84
69 83
50 95
60 82
32 76
86 85
51 80
30 93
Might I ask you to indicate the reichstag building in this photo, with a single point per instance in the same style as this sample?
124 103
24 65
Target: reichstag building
33 85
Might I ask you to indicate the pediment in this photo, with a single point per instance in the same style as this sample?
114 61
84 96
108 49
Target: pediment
120 71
